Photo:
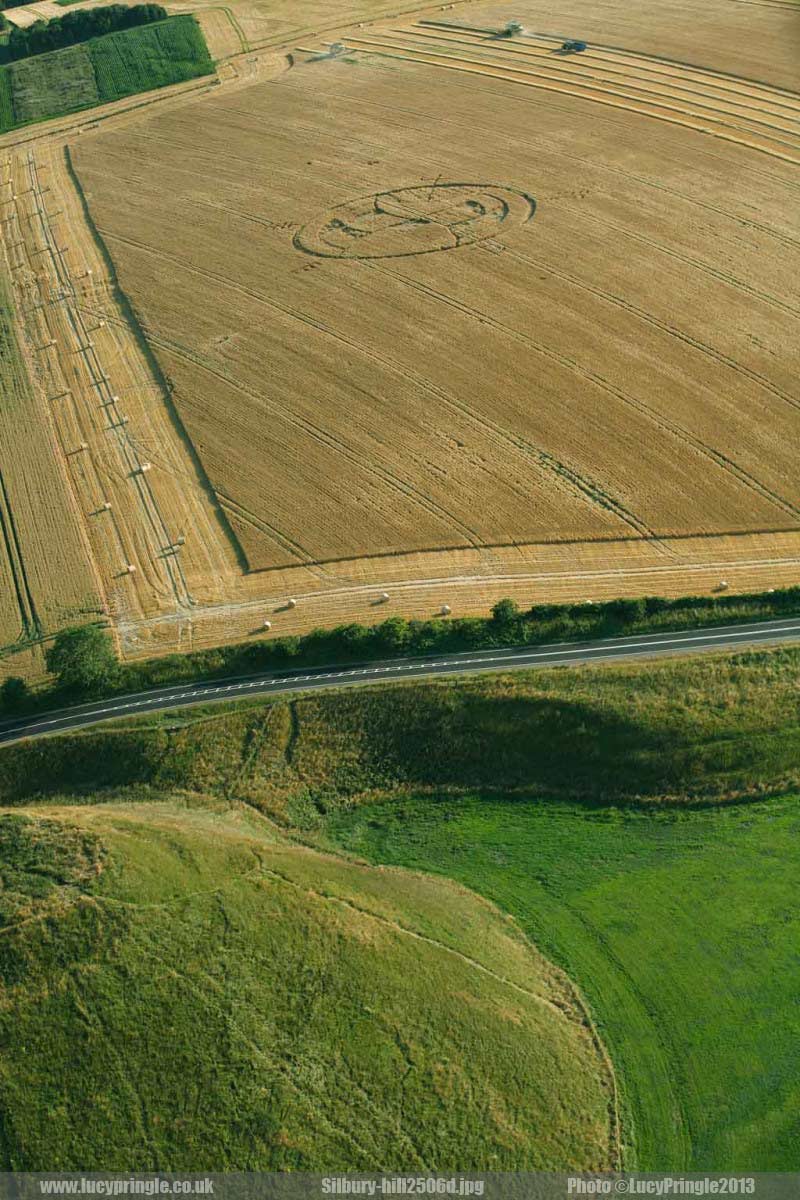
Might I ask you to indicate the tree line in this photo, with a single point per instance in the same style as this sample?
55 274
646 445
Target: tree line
76 27
83 663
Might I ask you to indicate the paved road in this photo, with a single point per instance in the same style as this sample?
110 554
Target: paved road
507 659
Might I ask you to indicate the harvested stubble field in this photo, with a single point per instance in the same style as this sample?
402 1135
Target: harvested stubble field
45 580
448 315
106 409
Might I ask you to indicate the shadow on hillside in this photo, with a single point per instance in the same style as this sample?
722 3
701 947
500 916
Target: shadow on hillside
336 746
561 747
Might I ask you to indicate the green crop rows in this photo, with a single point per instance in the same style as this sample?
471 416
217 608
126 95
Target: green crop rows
103 69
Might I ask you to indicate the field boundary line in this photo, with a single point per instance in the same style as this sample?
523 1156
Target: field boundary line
243 40
582 487
57 127
615 1132
129 455
387 476
30 626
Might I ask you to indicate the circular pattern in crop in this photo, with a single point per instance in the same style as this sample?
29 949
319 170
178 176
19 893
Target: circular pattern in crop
415 220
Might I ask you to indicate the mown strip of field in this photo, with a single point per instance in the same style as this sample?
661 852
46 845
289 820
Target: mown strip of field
103 69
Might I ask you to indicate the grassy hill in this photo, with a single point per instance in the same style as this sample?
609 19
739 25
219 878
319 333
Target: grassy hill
186 989
102 69
639 822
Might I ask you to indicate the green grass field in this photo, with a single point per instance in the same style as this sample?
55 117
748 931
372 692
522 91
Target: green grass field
682 930
184 989
639 823
102 69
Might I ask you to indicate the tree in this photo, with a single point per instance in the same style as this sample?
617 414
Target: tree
506 613
83 660
44 36
14 694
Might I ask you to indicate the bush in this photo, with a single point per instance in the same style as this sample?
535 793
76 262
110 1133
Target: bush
655 604
14 695
506 613
627 610
393 635
88 670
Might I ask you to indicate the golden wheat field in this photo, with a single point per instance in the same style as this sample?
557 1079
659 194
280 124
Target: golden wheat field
447 291
398 301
